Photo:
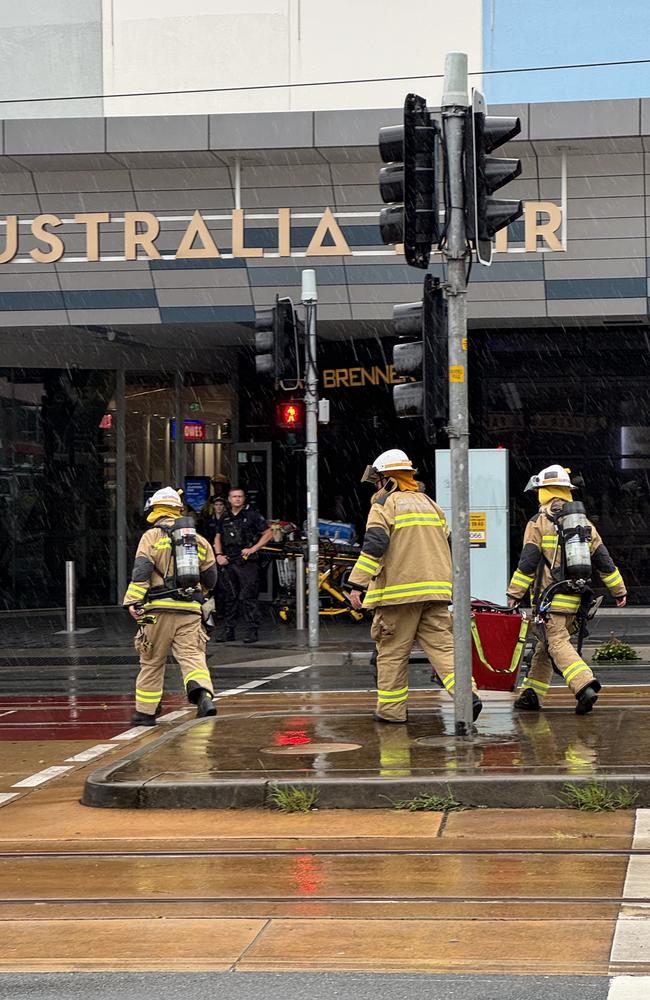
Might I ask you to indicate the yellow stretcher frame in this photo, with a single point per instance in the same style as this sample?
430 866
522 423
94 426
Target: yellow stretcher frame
331 568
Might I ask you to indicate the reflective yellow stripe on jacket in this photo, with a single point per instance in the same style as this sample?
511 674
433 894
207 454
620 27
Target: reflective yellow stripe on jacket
613 579
566 603
366 564
169 604
135 592
438 590
418 517
520 579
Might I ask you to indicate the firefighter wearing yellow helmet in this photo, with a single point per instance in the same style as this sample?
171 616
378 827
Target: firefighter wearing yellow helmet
404 574
561 549
173 570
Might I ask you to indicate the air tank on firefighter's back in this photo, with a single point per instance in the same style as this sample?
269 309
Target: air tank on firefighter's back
186 553
576 536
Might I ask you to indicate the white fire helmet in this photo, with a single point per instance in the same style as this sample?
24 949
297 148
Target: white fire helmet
392 460
552 475
166 497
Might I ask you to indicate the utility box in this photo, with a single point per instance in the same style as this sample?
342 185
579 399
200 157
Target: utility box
489 518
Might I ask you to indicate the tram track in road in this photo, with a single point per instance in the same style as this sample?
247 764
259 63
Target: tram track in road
327 853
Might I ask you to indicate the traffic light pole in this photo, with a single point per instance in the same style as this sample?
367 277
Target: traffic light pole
309 299
454 111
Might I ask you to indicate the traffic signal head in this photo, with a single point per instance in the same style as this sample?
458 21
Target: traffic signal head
290 415
408 184
484 174
423 360
276 341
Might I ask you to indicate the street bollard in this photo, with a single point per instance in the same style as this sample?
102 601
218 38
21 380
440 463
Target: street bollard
300 593
70 597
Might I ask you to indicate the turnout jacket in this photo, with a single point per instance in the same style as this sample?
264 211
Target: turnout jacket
153 572
541 558
405 555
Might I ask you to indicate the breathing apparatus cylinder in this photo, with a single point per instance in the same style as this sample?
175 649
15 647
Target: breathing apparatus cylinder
575 532
186 554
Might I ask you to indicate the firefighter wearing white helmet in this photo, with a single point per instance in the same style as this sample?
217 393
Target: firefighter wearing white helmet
561 549
174 569
404 574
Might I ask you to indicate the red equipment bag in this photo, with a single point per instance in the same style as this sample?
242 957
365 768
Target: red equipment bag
498 640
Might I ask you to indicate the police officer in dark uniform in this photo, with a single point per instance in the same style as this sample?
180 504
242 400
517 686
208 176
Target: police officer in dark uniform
241 533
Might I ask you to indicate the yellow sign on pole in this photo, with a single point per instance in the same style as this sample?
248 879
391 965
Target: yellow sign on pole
477 529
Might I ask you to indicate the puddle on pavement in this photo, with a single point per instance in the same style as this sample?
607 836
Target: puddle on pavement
312 748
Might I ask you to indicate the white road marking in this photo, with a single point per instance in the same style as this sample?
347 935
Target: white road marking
41 777
172 716
132 734
251 685
629 988
90 753
7 797
11 711
631 943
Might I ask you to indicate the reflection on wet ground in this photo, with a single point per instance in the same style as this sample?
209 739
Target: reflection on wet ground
238 743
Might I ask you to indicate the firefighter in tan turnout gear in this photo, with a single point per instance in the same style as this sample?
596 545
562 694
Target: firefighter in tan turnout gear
561 548
174 568
404 574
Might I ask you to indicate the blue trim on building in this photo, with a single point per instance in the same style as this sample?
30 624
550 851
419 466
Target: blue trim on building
198 264
596 288
208 314
111 298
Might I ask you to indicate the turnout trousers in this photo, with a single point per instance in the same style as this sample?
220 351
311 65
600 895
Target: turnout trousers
395 628
555 648
186 637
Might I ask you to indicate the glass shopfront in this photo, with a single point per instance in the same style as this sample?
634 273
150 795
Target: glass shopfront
60 476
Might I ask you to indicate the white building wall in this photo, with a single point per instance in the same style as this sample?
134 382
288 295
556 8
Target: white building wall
164 45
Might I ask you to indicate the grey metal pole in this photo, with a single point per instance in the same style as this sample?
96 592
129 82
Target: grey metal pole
70 596
454 112
309 299
120 484
300 593
179 443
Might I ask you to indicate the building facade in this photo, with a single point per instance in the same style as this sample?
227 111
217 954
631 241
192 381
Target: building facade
134 252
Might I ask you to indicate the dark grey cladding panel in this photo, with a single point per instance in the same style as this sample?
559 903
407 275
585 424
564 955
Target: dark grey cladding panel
326 274
279 130
596 288
54 135
352 128
166 132
584 119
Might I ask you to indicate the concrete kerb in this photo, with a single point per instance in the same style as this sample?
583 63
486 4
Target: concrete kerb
505 791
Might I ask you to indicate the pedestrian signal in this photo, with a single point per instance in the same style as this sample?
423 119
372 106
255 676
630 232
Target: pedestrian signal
289 416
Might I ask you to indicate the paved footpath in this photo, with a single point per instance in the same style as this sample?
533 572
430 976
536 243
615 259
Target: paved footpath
488 892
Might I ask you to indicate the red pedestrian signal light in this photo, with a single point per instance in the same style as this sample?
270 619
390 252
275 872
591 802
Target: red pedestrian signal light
289 416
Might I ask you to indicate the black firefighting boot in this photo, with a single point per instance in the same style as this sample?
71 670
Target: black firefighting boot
251 636
477 707
143 719
205 705
202 698
587 697
224 635
528 701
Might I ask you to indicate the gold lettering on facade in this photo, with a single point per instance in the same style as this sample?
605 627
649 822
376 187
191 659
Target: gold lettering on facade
238 248
92 222
547 230
284 232
197 229
54 242
354 378
134 238
11 243
328 224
